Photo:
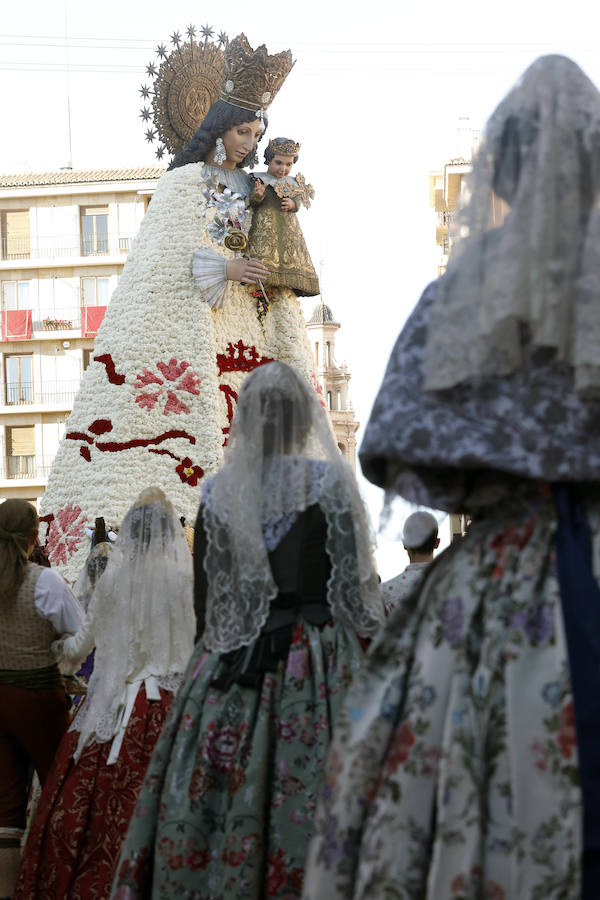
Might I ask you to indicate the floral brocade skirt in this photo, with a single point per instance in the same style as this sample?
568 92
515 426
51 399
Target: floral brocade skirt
454 771
83 812
227 807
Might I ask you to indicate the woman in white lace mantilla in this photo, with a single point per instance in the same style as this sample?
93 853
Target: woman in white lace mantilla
284 583
141 622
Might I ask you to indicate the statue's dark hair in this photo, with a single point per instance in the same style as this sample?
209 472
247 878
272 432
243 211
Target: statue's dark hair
220 118
269 154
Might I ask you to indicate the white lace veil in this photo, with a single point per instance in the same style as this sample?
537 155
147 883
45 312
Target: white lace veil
141 615
281 459
536 274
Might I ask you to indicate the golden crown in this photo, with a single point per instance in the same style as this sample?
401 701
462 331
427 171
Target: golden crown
283 147
252 78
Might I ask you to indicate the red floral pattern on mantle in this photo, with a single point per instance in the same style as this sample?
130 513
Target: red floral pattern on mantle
239 358
230 396
245 360
188 472
64 533
48 519
116 446
111 373
172 371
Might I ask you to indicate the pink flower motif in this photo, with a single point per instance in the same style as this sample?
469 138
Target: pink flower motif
146 378
190 383
187 382
298 663
171 370
251 843
222 746
287 732
64 534
148 400
175 405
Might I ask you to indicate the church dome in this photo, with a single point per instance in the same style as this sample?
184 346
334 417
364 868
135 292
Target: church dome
321 314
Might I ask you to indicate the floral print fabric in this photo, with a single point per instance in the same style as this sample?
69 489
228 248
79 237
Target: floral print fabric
453 773
227 807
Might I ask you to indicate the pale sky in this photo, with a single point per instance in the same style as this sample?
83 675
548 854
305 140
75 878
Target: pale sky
374 100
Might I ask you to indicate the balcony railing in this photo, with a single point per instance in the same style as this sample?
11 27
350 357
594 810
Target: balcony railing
25 393
65 319
56 245
20 467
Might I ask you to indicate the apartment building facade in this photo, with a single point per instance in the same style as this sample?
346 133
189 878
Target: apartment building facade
64 239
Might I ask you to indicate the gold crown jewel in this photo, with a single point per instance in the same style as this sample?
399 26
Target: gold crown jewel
187 81
283 147
252 78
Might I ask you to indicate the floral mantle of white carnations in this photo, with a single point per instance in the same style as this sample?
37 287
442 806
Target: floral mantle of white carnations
155 405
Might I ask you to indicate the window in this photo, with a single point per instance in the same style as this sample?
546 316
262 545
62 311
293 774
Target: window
86 357
16 295
20 451
329 400
316 353
14 225
94 292
19 379
328 348
94 230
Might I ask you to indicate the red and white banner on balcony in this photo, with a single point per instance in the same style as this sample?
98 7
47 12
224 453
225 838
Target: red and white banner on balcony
91 320
16 324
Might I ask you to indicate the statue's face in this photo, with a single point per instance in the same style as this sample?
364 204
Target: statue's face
280 165
240 141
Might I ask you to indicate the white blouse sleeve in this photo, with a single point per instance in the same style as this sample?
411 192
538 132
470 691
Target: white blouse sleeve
54 600
71 651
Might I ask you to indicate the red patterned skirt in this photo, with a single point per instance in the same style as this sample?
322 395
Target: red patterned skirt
84 810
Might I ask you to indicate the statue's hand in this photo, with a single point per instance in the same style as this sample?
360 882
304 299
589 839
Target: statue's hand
248 271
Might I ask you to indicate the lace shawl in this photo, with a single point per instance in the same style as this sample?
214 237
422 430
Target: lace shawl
141 618
537 270
282 458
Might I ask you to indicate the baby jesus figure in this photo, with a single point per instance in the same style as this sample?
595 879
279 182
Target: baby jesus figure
275 236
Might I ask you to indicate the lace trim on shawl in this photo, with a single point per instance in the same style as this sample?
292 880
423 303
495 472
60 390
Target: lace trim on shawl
275 529
538 268
356 602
